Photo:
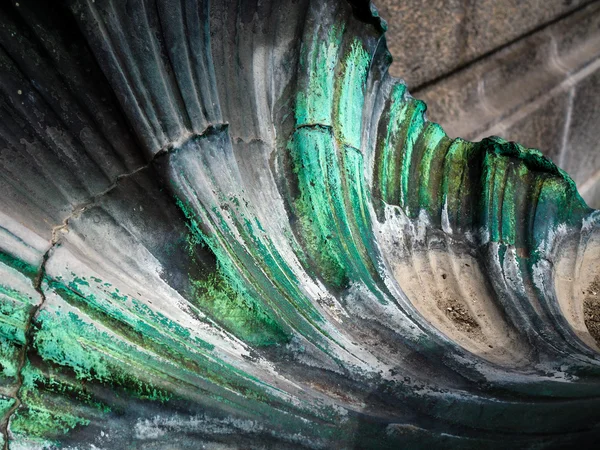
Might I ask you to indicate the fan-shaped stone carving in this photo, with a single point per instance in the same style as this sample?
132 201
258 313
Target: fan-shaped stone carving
224 224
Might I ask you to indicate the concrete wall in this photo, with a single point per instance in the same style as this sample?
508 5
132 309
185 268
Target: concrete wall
528 71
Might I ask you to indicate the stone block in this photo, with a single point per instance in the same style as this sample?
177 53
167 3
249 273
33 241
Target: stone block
430 39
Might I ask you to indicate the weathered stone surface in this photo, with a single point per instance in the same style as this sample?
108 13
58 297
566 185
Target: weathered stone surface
581 155
430 39
241 232
544 127
492 23
522 89
420 54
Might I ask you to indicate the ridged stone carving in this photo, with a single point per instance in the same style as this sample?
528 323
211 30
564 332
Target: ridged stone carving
223 224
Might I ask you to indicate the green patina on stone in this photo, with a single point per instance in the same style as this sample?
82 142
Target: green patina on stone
310 150
223 295
350 96
44 416
314 104
340 181
23 267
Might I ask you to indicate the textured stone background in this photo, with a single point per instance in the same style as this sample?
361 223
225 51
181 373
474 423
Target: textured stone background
525 70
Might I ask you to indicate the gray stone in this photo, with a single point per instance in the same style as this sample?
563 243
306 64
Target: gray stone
520 78
430 39
493 23
581 158
543 128
426 41
523 93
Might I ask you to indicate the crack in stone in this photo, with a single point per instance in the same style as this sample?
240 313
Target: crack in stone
37 285
63 227
313 125
176 145
248 141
